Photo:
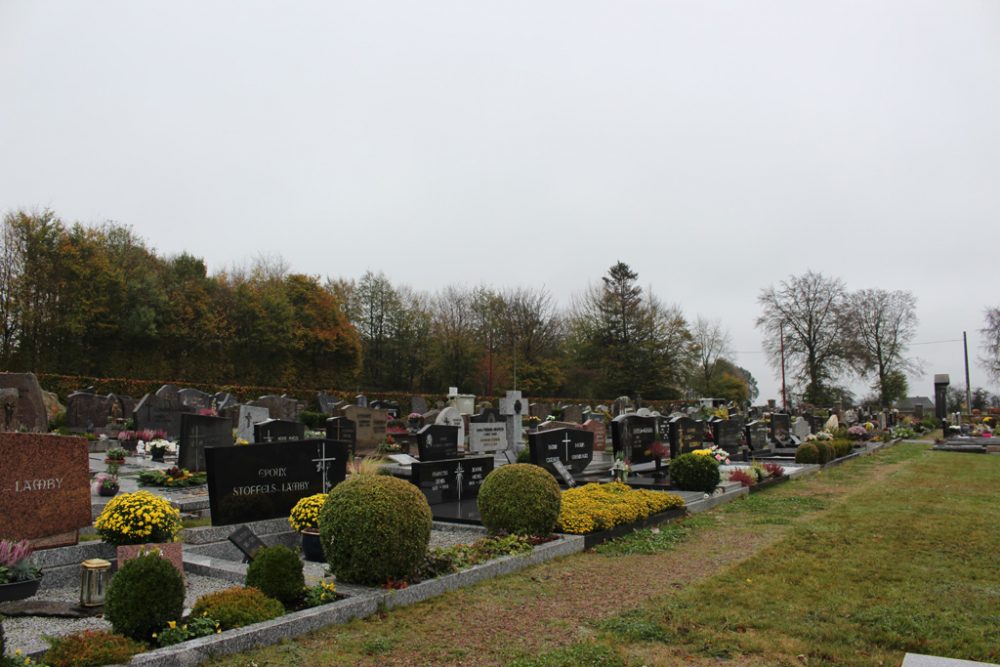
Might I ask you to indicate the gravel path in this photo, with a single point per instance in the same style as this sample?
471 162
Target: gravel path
26 633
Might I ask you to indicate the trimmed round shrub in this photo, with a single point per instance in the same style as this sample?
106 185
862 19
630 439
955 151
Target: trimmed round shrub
91 648
520 499
146 593
825 451
237 606
807 453
277 572
374 528
695 472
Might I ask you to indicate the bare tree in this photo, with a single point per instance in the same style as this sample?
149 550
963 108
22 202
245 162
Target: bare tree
991 344
713 343
808 312
883 324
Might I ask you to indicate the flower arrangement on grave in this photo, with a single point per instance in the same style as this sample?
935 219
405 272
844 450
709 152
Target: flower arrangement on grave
305 514
719 454
15 562
387 446
159 447
106 484
172 477
857 432
621 468
138 518
593 507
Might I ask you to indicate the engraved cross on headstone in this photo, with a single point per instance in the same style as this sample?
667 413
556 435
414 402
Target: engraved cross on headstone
566 441
459 474
323 464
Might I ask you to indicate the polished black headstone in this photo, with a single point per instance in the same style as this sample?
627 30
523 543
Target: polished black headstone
571 446
256 482
686 435
276 430
342 429
781 425
198 433
635 437
452 479
728 434
437 442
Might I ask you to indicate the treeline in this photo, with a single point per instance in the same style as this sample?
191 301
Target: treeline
96 300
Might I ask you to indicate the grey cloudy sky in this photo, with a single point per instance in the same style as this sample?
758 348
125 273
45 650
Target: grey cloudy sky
716 147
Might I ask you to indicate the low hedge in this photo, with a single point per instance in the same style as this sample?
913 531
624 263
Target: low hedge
593 507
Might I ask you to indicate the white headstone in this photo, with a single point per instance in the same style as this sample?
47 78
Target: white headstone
800 429
487 437
513 407
452 417
250 415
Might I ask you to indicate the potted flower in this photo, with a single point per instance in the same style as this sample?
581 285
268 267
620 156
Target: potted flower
138 522
106 485
304 518
19 578
115 455
158 449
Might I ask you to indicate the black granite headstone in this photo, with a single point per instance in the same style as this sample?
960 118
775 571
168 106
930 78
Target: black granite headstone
198 433
686 435
451 479
253 483
437 442
781 425
728 434
277 430
342 429
246 541
573 447
635 437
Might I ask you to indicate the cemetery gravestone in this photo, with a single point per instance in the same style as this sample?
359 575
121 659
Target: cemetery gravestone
573 447
600 432
512 408
780 429
249 416
634 436
686 435
328 404
418 404
265 481
370 425
85 410
246 541
451 480
728 434
573 414
436 442
279 407
157 414
195 400
487 432
198 433
801 428
278 430
452 417
23 407
44 487
342 429
223 400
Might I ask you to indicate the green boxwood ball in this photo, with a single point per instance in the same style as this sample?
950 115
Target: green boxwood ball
695 472
374 527
520 499
145 594
277 572
807 453
825 451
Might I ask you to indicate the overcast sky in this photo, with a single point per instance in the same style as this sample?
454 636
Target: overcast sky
716 147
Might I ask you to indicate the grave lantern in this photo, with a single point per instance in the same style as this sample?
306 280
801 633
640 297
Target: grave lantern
94 575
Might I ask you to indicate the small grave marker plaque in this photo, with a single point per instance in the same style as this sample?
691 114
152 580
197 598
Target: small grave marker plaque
247 542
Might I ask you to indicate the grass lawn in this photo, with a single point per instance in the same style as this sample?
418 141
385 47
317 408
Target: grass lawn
895 552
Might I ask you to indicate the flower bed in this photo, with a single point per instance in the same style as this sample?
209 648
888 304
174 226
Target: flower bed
599 507
172 477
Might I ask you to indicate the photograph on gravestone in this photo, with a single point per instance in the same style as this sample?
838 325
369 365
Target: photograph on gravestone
198 433
265 481
436 442
451 480
44 486
277 430
573 447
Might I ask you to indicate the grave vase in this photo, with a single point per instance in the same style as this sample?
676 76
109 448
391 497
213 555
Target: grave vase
19 590
312 548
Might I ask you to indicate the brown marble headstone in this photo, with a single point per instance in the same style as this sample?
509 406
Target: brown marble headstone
600 431
44 485
28 412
